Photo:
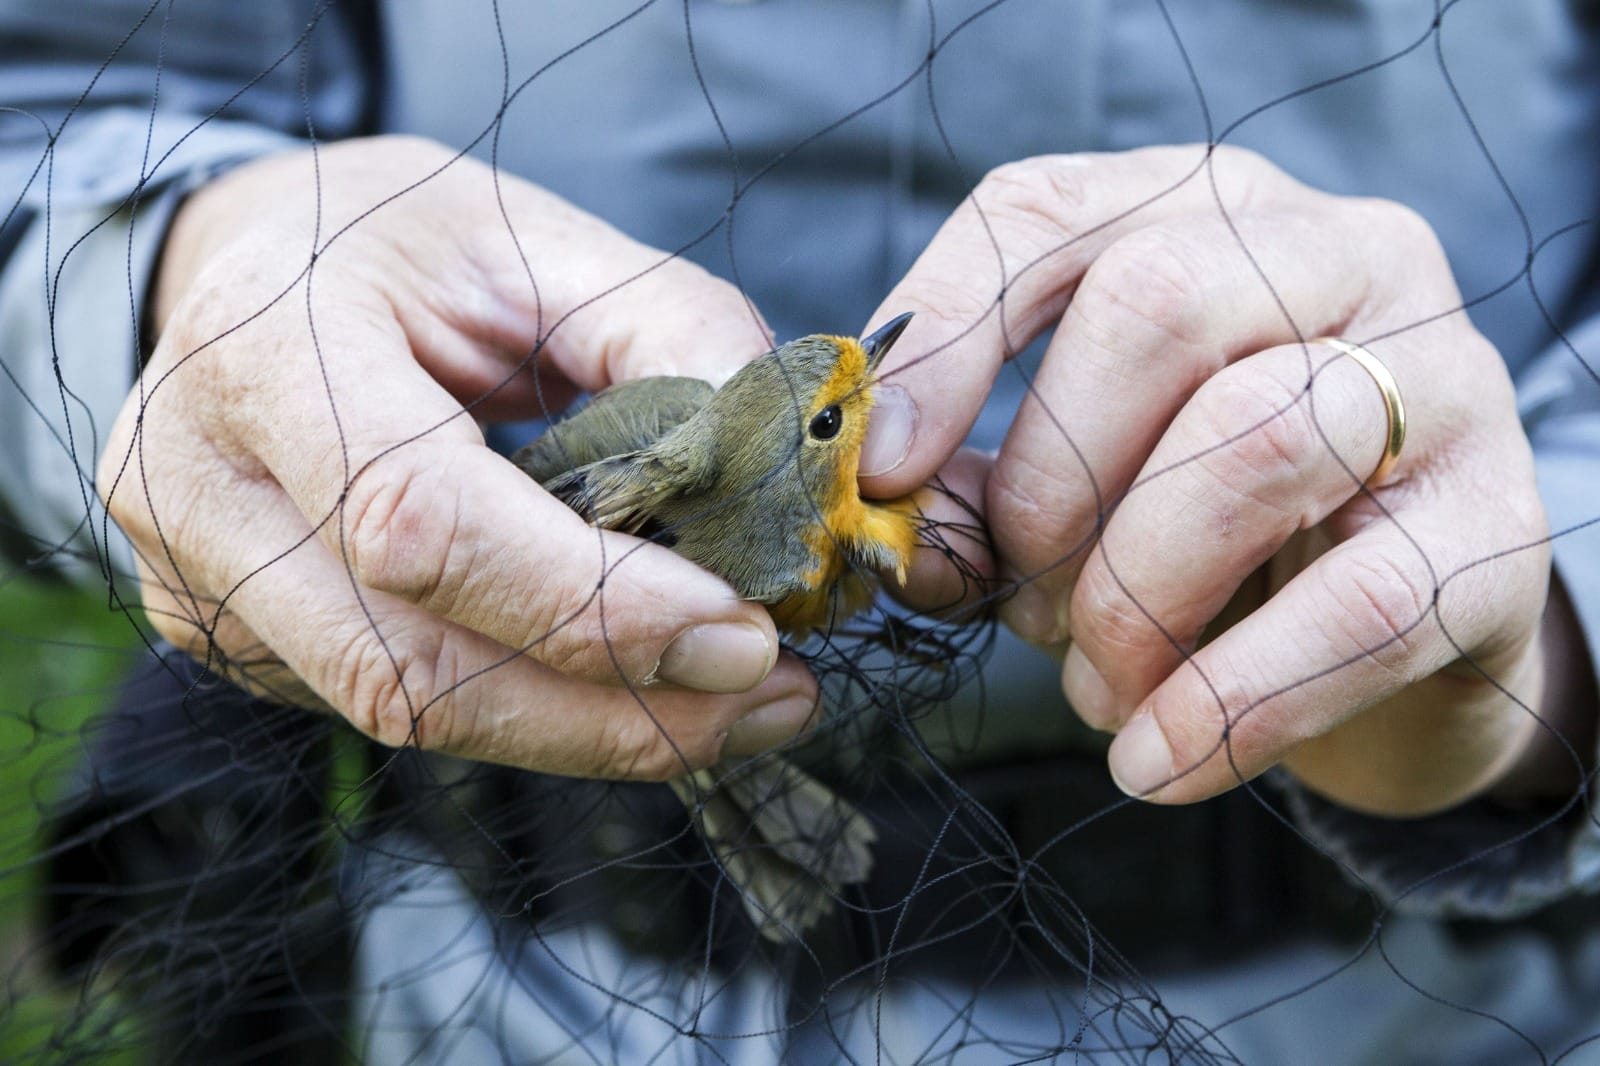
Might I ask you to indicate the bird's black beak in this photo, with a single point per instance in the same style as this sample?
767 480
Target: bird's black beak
882 340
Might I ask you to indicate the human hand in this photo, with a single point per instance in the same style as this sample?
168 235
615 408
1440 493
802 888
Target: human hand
316 513
1187 467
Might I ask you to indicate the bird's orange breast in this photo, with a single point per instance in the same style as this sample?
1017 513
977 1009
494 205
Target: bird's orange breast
834 590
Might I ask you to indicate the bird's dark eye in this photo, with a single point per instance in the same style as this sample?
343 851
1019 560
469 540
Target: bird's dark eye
825 426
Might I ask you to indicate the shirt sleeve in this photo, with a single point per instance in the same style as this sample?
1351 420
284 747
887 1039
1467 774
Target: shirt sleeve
1486 859
109 116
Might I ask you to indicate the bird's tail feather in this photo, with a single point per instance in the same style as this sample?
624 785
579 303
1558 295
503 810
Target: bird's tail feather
789 842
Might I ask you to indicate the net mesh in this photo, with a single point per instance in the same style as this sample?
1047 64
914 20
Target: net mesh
194 873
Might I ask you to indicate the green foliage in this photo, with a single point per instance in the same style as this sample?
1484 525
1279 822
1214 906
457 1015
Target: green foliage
61 654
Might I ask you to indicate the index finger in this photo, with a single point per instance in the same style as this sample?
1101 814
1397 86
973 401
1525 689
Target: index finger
1366 620
1001 270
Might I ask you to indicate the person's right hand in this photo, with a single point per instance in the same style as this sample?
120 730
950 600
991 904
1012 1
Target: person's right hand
315 512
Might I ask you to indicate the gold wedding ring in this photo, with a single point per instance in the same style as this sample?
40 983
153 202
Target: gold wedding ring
1393 405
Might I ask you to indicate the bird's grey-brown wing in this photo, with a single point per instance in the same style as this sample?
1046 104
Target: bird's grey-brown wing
604 462
620 420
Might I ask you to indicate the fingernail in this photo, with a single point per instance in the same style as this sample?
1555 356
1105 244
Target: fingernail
769 725
893 424
1088 692
1140 760
1031 614
719 657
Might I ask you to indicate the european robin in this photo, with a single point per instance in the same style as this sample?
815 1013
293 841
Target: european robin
756 482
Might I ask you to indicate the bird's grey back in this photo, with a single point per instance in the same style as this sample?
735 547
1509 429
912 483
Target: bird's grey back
624 418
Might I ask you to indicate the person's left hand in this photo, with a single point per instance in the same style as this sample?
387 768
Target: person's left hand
1187 444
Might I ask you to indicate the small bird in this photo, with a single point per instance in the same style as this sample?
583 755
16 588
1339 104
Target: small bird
756 482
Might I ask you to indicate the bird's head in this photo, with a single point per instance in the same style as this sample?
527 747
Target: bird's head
807 401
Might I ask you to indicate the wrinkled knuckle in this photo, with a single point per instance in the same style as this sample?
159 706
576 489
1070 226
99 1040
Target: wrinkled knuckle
1379 609
562 647
177 525
239 293
564 629
951 305
207 310
1147 293
634 747
400 523
1043 192
388 689
1105 619
1012 502
1030 512
1262 430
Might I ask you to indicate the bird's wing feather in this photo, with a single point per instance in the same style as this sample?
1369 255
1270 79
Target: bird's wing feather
621 420
625 491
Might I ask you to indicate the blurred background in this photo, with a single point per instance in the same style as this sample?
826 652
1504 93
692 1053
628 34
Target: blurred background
61 653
